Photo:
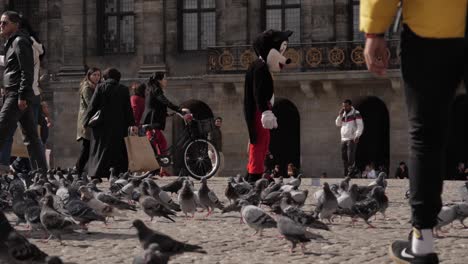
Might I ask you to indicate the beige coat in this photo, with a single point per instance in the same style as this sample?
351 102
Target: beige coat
86 92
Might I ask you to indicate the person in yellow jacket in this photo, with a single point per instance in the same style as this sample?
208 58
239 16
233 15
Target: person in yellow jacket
432 65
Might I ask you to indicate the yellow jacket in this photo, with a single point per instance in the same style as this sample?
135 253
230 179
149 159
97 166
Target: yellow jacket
427 18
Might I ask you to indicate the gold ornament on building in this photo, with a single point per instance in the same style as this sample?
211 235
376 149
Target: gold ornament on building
336 56
212 59
357 55
294 55
226 60
313 57
246 58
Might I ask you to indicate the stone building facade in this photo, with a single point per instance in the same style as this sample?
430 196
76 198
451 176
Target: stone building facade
204 46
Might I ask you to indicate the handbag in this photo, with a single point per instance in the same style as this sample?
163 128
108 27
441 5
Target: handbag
96 119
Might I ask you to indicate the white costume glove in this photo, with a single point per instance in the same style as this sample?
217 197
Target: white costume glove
269 120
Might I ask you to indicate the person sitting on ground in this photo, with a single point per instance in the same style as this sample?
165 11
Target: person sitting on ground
292 170
402 171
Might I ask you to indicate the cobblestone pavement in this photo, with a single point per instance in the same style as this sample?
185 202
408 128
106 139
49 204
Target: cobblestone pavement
228 241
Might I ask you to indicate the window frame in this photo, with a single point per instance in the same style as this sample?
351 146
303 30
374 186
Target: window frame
180 27
283 6
101 22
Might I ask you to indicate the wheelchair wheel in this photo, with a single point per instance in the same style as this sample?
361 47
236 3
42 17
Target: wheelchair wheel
201 159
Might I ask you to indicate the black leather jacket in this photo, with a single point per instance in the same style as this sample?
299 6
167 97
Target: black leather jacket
156 104
19 66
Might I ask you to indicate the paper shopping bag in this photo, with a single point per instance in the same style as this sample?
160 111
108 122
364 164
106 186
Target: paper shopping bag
141 156
18 149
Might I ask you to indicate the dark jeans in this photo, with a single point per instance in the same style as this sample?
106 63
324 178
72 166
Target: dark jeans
432 70
9 116
84 156
348 155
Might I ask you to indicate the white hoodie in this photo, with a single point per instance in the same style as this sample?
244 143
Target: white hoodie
351 125
38 50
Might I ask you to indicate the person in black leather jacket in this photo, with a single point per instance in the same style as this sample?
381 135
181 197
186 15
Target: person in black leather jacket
17 80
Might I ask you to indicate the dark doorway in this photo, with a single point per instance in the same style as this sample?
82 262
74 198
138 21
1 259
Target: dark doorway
200 110
374 144
457 147
285 142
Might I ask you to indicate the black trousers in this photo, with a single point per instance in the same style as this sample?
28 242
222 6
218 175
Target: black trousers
84 156
432 70
10 115
348 155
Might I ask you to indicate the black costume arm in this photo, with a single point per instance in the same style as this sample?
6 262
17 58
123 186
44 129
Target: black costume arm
263 85
127 107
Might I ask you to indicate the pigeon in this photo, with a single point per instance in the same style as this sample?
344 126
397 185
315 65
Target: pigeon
380 181
127 190
54 222
296 182
462 213
348 198
344 184
299 196
112 177
152 255
167 245
115 202
15 248
366 208
152 207
230 192
187 201
58 203
174 186
301 217
256 218
32 212
101 208
464 192
81 212
446 216
326 204
208 198
18 205
62 191
272 198
161 196
335 189
295 233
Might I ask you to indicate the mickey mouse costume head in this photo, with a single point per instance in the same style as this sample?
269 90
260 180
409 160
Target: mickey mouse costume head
259 96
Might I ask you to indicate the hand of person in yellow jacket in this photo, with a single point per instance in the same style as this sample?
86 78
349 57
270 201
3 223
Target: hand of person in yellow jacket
376 55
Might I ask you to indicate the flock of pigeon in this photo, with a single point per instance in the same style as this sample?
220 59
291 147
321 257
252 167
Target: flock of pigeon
60 202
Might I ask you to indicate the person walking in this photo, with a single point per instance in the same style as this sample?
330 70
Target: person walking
352 126
83 134
18 80
216 137
431 78
137 101
107 146
156 104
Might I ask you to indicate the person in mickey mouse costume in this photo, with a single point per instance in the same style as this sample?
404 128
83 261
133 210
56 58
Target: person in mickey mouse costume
259 96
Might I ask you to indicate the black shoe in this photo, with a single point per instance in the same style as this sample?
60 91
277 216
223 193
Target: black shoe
400 252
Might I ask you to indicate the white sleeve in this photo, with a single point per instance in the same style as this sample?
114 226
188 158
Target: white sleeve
338 121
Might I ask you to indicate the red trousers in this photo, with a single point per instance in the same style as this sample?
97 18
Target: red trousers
159 142
259 150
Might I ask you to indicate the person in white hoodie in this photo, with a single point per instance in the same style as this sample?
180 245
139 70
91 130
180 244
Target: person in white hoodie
352 126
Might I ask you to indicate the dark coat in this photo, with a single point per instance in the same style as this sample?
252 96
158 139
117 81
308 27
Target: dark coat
257 94
156 104
18 75
107 147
